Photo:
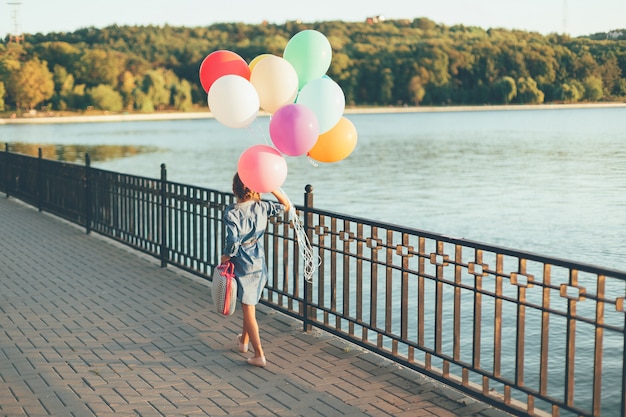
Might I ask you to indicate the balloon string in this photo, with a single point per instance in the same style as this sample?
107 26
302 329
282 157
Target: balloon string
256 131
304 245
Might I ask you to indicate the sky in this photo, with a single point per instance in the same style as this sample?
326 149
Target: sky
574 17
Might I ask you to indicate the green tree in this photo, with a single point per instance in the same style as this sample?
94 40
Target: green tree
541 63
78 98
611 73
528 92
570 92
2 94
585 65
104 97
620 89
99 66
181 93
155 88
386 86
141 101
64 97
126 85
31 84
10 59
454 64
59 76
424 24
504 90
593 88
416 88
58 53
67 87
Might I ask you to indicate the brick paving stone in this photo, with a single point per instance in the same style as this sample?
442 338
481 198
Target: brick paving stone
90 327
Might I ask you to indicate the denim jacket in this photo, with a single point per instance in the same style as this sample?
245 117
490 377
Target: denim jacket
245 226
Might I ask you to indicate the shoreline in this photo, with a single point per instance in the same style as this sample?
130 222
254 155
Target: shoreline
360 110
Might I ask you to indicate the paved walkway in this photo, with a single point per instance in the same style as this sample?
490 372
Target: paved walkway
91 328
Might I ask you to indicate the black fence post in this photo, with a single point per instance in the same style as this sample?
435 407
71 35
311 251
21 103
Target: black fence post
88 197
5 173
164 250
623 405
308 228
39 178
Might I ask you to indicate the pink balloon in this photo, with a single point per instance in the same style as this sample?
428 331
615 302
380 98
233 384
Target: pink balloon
262 168
294 129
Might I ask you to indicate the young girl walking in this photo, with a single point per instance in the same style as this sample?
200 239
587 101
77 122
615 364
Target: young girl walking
245 222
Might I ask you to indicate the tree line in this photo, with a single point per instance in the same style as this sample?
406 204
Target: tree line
376 63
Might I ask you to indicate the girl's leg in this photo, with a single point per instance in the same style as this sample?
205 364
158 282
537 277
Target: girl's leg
245 337
251 329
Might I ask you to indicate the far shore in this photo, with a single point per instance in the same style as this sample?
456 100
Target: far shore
121 117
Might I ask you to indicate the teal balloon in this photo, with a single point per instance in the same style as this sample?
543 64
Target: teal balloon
326 99
310 53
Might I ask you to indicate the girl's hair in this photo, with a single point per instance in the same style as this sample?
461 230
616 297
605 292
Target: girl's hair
242 192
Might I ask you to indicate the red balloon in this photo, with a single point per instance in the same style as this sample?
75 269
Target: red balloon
220 63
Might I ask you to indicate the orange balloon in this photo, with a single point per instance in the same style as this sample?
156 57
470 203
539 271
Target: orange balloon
336 144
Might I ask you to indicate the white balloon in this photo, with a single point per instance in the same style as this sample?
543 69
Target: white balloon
275 81
233 101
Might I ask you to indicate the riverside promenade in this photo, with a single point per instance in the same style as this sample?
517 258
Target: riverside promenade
89 327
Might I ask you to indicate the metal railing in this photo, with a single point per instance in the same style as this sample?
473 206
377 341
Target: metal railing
529 334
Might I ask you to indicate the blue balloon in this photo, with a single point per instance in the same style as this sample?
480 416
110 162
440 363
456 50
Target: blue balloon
325 97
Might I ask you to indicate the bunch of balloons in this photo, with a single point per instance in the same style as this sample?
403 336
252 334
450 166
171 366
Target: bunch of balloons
305 105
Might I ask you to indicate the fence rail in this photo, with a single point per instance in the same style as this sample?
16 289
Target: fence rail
529 334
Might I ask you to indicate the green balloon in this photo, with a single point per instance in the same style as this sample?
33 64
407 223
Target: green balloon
309 52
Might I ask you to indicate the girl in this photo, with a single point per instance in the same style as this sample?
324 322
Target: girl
245 223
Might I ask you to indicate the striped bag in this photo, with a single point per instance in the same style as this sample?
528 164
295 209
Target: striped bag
224 288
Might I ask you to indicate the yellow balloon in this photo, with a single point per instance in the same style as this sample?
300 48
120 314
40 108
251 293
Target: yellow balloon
256 60
336 144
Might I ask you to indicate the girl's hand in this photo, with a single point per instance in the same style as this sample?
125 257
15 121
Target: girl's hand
224 259
282 199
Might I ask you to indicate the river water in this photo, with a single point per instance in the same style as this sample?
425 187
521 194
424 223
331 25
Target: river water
548 181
